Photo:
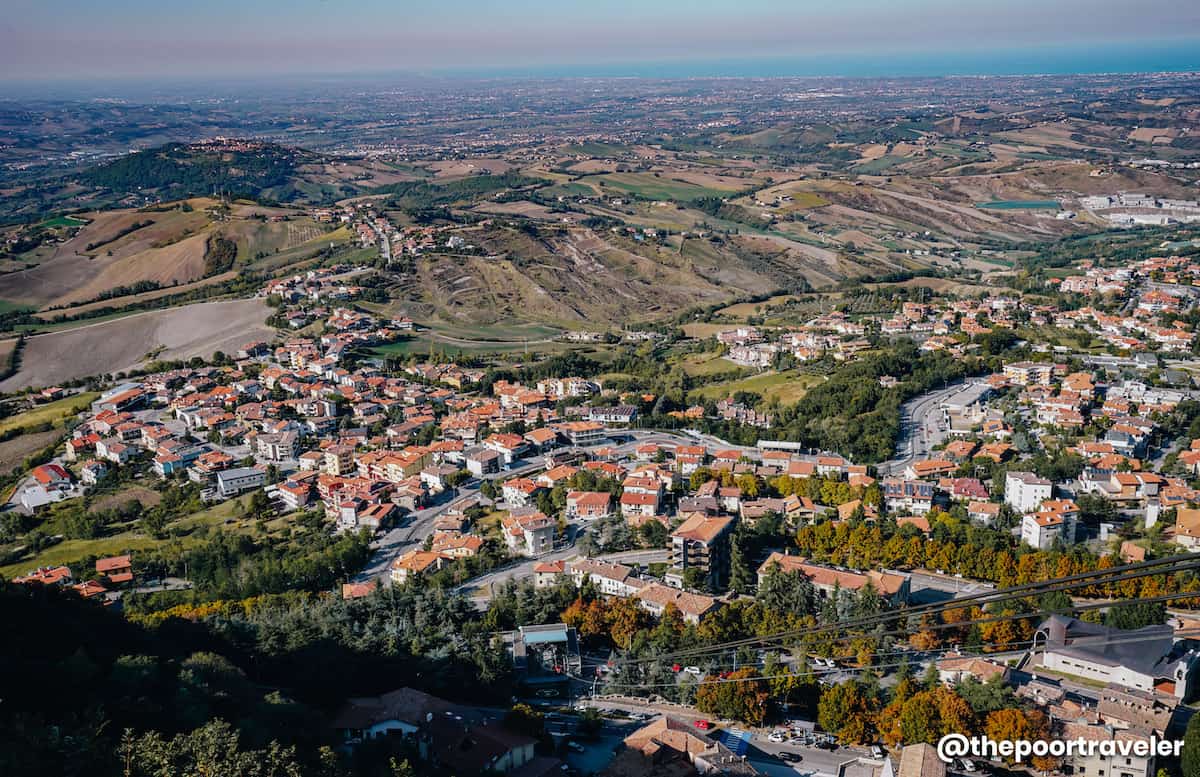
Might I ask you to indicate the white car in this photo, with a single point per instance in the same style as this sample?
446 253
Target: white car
777 736
693 670
969 765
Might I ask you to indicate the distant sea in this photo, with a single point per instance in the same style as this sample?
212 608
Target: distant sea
1142 57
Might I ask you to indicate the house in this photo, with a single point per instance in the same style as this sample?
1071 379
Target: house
701 542
295 494
548 573
891 586
415 563
117 570
611 579
1087 762
482 461
920 760
52 476
954 668
580 433
589 505
1042 529
456 545
667 747
638 504
1146 659
929 468
520 492
983 512
914 496
654 598
453 738
92 472
232 482
1187 527
46 576
1025 491
529 533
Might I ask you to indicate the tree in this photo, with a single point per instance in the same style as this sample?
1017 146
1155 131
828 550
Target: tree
741 578
743 695
213 748
845 711
1190 757
524 719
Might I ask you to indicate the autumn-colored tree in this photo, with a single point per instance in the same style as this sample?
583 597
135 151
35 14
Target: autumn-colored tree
743 695
844 710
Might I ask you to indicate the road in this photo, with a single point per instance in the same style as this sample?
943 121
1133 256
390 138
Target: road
481 588
921 427
418 525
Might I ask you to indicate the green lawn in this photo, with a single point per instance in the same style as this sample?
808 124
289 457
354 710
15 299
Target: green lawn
129 539
51 412
69 551
63 221
699 364
786 387
647 186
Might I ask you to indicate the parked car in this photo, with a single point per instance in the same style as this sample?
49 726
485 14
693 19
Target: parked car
692 670
876 751
791 757
968 765
576 747
777 736
702 724
547 693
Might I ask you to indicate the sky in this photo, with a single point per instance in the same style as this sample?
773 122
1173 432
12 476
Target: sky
132 39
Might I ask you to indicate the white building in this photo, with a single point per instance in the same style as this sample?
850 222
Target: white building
232 482
1025 491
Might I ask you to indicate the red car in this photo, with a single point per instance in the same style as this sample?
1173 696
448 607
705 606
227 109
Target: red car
702 724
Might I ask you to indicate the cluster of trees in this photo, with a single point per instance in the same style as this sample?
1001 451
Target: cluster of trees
219 255
234 687
860 712
178 170
853 414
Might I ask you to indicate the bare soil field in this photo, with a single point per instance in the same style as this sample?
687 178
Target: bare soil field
458 168
122 344
14 451
130 299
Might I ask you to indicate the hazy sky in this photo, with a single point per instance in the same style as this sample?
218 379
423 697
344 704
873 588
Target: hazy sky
108 38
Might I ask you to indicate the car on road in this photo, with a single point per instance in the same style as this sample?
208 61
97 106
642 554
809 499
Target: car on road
702 724
777 736
968 765
791 757
692 670
876 751
547 693
576 747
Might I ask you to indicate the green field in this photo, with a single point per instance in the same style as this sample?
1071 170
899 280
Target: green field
647 186
701 364
63 221
52 412
784 387
128 538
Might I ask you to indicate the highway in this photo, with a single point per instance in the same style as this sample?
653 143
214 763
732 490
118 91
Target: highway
921 427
